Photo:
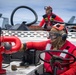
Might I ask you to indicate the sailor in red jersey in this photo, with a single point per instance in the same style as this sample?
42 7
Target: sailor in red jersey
57 41
48 18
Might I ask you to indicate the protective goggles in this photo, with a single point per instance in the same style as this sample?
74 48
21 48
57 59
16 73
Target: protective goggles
53 35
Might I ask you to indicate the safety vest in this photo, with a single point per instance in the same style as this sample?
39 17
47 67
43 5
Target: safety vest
49 19
67 47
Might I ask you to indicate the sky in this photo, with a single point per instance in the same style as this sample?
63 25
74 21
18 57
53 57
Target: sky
63 8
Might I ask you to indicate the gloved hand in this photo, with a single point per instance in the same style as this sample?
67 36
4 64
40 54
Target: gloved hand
23 47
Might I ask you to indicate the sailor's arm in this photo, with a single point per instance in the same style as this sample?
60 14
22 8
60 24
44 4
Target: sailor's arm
34 45
57 18
42 22
72 68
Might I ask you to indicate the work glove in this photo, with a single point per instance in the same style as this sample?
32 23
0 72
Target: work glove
23 47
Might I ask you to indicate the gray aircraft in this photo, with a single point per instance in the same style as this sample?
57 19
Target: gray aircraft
5 24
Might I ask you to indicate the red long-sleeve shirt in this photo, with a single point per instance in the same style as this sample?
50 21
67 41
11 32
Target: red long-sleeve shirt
57 18
43 46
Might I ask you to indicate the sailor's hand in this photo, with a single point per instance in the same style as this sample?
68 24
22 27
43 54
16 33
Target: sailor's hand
23 47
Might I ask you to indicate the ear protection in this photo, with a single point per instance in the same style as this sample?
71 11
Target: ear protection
61 27
64 36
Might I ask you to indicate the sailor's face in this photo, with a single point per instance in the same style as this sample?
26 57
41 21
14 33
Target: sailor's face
53 35
48 12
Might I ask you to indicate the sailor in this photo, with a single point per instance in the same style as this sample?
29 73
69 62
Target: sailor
49 18
57 41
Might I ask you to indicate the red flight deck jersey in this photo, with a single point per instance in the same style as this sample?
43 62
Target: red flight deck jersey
47 19
46 45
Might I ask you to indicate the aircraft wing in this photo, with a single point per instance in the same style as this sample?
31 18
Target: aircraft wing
71 20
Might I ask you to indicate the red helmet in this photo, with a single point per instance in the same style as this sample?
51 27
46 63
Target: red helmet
48 8
60 27
62 31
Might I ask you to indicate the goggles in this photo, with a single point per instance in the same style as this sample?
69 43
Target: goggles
53 35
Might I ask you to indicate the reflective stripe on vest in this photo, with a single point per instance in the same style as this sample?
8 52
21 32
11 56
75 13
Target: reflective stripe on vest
64 54
48 47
